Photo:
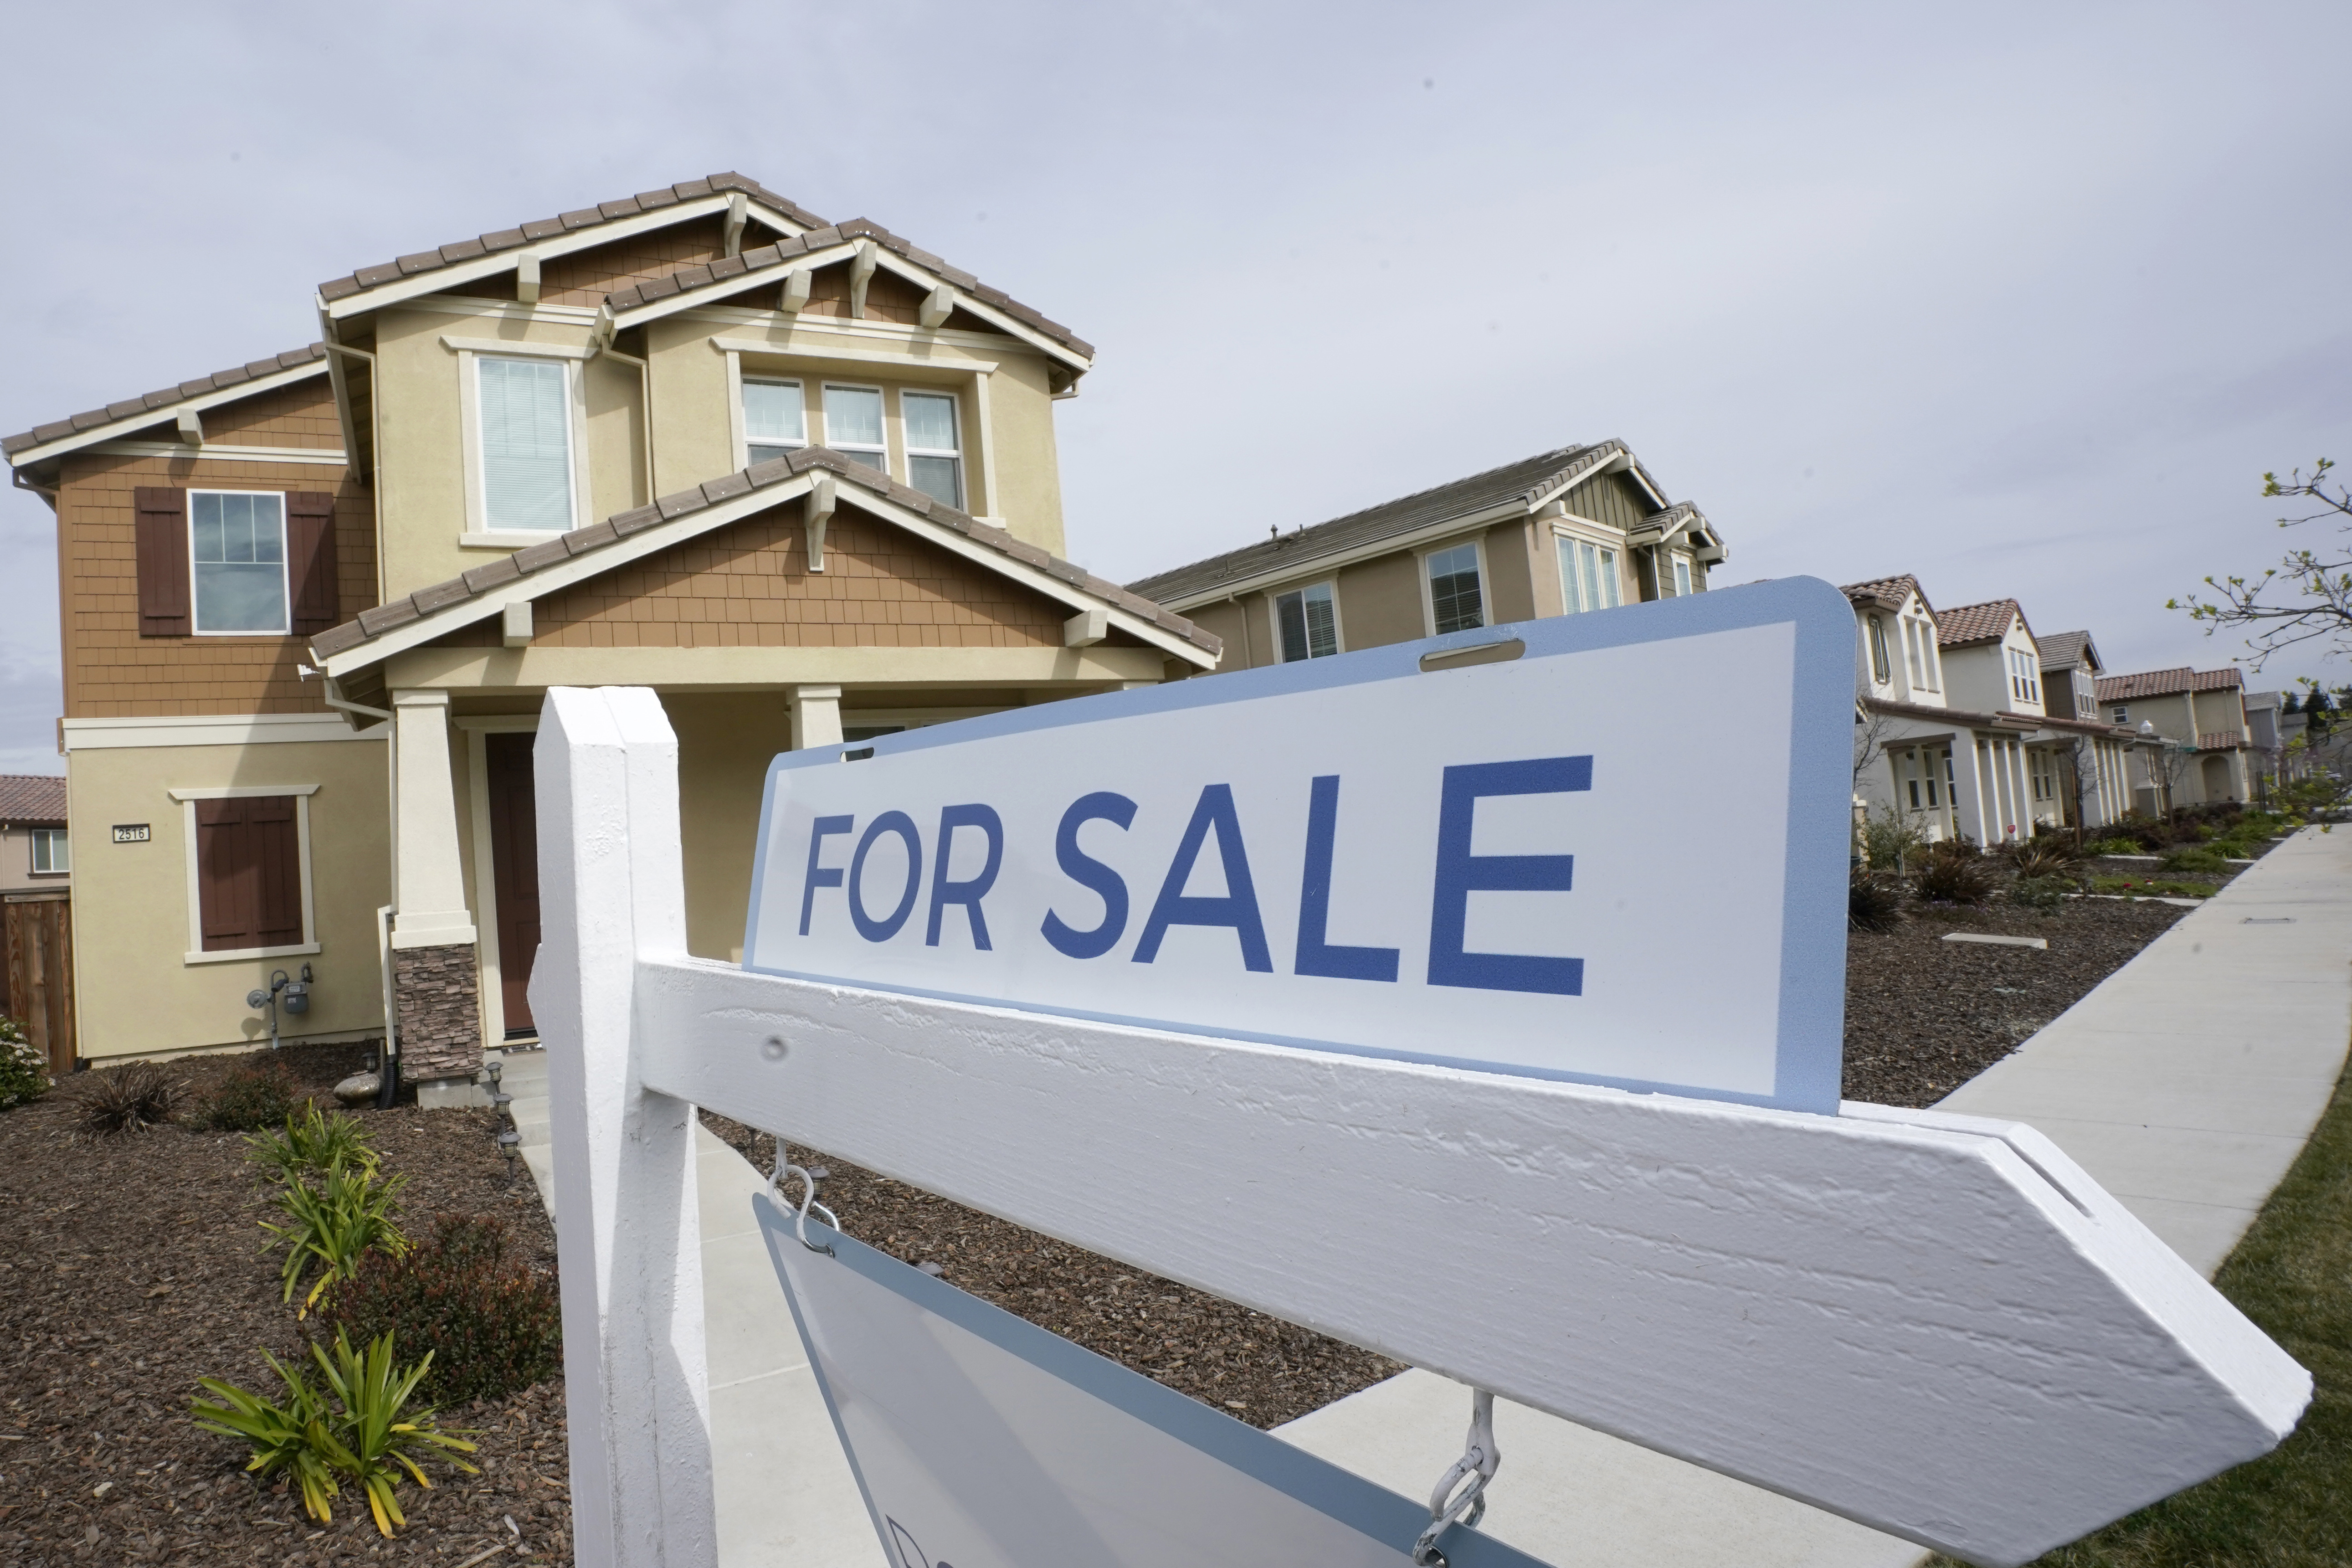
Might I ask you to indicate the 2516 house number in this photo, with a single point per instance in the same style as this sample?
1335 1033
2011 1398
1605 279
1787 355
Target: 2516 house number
132 833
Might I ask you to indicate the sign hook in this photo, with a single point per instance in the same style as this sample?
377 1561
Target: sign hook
1461 1495
808 1200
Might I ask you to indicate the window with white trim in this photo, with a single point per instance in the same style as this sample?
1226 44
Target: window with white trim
2024 679
2121 715
853 424
523 407
237 560
1882 668
1456 601
1307 622
775 418
1588 576
2042 769
1682 576
50 855
934 453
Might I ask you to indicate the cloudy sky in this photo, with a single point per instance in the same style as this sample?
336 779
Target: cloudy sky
2023 299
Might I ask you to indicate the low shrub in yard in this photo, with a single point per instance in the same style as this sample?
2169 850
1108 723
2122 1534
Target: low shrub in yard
2152 888
2040 892
2047 856
355 1425
2194 860
1872 903
2114 846
128 1099
24 1068
491 1326
1953 878
251 1094
1892 840
329 1227
312 1144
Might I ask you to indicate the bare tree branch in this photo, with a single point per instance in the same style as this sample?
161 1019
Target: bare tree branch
2306 596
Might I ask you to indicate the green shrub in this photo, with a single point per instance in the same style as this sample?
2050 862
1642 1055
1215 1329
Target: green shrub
314 1145
492 1326
368 1434
1874 903
2152 888
2114 846
128 1099
332 1226
254 1093
1892 840
24 1070
2047 856
2040 892
2194 860
1953 878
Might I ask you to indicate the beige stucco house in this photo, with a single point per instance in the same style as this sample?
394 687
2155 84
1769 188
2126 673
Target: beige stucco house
798 476
1575 530
1955 730
2208 754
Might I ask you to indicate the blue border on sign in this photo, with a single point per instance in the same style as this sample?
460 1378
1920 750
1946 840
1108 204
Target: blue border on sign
1359 1504
1811 1045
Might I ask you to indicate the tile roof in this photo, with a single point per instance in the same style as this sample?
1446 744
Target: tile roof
160 402
373 623
1523 480
2222 741
1888 591
785 252
562 223
1977 623
2063 650
33 798
2167 682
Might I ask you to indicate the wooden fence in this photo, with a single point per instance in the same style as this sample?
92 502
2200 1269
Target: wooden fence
36 976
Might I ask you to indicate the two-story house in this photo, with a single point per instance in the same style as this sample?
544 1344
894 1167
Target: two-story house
34 851
1567 532
2202 714
1954 727
798 476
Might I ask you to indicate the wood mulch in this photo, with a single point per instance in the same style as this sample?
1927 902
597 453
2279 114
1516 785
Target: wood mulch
132 1266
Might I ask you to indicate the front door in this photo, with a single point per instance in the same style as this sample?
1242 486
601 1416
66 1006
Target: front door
514 871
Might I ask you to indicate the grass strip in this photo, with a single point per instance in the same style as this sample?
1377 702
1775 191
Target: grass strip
2292 1274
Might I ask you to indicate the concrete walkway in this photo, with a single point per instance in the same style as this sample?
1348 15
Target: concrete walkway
2186 1083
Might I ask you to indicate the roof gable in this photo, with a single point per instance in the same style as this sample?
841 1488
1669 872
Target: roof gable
2067 650
2167 682
119 419
1988 622
1889 593
569 558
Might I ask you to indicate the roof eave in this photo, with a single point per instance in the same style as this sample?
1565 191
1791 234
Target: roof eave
115 430
1294 568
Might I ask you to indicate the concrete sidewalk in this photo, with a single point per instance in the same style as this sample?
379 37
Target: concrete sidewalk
2186 1083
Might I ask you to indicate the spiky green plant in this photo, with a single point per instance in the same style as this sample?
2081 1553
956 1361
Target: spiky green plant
312 1144
331 1226
368 1434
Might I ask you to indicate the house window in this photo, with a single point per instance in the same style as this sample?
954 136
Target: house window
1882 668
50 855
853 424
2024 681
1308 623
237 558
249 873
2121 714
525 409
1588 576
1928 657
1456 604
1682 576
1911 653
934 465
775 419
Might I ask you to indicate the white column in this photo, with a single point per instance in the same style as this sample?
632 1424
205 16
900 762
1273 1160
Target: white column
628 1225
429 878
816 716
1968 788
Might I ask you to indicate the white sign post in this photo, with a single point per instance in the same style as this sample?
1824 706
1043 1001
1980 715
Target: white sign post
1396 1060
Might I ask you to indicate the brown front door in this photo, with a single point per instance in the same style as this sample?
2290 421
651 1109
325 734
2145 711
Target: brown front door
514 870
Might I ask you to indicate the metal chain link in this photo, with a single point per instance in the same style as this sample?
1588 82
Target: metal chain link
1461 1495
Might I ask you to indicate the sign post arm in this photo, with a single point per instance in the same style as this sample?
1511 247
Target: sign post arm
627 1228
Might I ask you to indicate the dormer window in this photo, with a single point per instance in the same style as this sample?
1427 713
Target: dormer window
775 419
2024 680
1682 576
1881 668
1588 576
853 424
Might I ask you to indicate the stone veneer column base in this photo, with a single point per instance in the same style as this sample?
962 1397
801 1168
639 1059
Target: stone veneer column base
439 1010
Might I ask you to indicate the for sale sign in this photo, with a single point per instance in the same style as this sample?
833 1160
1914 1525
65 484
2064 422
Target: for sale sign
1616 854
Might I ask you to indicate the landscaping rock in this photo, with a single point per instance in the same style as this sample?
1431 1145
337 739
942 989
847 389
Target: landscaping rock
359 1088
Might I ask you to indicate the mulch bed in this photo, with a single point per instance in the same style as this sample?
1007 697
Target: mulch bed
1924 1015
132 1266
129 1267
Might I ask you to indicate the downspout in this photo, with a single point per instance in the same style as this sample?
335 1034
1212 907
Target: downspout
376 440
601 342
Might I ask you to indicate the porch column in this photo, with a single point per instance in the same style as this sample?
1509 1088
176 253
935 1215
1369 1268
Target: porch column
436 996
1968 788
816 716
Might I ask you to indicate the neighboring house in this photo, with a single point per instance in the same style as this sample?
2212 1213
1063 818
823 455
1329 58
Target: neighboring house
2071 668
2210 757
798 478
34 850
1952 726
1580 529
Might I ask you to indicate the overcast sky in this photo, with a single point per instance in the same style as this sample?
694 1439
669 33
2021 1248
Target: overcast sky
2021 300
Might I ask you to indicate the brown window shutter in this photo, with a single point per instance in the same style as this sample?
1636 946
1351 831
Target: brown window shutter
163 551
311 560
249 873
